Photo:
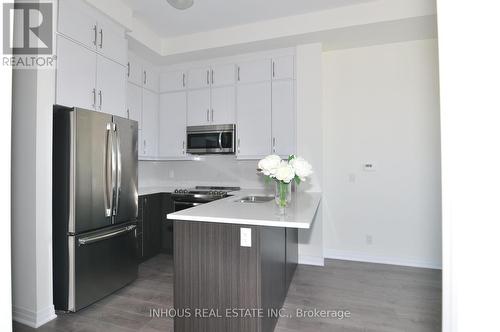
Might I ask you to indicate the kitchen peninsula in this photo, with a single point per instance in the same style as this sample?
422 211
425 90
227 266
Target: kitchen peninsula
235 256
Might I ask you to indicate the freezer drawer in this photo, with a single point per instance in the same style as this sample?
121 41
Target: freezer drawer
101 263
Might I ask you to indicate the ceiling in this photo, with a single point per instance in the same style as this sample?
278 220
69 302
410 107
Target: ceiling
206 15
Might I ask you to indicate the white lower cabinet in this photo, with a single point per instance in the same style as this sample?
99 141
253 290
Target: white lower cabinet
253 128
172 123
148 146
283 118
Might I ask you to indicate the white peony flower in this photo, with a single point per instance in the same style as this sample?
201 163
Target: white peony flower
269 164
285 172
301 167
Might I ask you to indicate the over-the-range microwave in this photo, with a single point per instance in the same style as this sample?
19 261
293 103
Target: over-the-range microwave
212 139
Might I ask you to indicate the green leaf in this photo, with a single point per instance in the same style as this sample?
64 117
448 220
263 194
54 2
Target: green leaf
291 157
297 179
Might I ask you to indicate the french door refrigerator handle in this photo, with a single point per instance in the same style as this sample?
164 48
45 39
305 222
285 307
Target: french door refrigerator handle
118 169
105 236
107 171
113 171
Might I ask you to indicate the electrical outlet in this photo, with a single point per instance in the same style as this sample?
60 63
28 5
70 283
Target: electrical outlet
369 239
245 237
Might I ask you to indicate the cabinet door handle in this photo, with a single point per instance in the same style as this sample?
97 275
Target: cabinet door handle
183 147
274 74
93 97
274 144
100 99
145 77
144 146
238 73
208 115
95 35
212 77
128 113
212 115
238 147
102 37
128 69
183 80
208 80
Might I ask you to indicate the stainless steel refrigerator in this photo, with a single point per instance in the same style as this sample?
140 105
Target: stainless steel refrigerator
95 204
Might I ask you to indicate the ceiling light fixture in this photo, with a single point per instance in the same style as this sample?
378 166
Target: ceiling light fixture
181 4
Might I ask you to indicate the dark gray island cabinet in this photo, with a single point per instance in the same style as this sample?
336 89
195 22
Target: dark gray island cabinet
233 262
221 286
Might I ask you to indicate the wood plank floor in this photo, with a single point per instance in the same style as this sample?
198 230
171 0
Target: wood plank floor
379 298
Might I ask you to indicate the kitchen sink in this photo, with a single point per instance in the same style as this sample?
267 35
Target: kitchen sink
255 199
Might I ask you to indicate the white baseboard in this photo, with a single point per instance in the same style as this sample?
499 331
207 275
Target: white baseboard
362 257
311 260
31 318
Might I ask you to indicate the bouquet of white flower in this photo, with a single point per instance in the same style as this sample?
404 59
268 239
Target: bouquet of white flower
284 172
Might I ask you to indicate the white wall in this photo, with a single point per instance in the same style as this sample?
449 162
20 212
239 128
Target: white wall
382 106
32 101
309 96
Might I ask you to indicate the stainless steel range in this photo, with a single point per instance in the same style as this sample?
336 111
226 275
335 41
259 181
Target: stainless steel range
186 198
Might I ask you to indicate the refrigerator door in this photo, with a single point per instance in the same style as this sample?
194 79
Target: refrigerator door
101 263
91 173
125 205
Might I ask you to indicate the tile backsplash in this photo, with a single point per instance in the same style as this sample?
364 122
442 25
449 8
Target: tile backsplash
208 170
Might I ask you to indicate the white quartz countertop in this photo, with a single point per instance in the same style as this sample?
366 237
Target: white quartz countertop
298 214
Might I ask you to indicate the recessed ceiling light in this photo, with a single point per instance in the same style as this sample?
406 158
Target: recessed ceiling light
181 4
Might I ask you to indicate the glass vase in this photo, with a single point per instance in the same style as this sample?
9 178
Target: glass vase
282 195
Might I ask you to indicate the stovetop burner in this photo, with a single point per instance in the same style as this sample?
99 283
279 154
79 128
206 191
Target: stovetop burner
206 192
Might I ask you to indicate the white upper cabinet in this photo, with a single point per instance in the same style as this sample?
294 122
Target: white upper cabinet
134 69
76 21
111 40
283 118
222 75
148 147
254 120
282 67
75 75
223 110
198 107
151 77
172 121
173 80
111 87
134 103
198 78
92 29
254 71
